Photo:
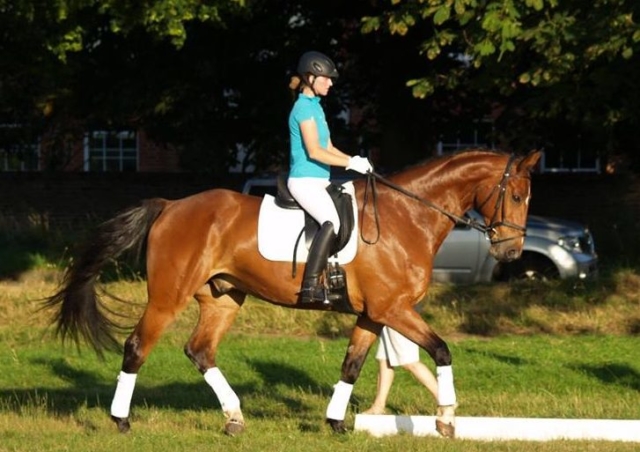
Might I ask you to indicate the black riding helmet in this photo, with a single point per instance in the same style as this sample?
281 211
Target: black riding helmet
316 63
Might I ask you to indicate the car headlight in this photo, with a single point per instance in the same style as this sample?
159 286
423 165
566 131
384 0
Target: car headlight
571 244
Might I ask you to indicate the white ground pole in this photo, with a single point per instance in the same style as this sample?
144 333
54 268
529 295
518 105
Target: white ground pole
500 428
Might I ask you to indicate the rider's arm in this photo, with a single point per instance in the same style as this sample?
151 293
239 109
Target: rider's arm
334 150
331 156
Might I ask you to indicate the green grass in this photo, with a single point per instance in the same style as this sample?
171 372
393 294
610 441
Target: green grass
283 364
56 398
53 398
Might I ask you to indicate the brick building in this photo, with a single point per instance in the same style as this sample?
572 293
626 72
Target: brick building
85 151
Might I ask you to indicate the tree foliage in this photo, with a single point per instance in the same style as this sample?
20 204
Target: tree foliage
551 40
69 63
67 29
208 76
540 61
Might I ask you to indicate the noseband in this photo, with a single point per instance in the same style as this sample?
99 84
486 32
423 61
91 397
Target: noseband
490 231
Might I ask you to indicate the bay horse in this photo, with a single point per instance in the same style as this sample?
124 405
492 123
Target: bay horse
204 246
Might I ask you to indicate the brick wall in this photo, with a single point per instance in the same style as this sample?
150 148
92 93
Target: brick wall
155 157
152 156
77 198
580 197
609 205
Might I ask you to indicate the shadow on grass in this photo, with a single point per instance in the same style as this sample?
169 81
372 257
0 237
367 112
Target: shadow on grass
613 374
505 359
273 375
89 390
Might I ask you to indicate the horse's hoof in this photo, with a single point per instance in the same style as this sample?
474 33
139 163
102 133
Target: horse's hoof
122 423
233 427
446 430
337 426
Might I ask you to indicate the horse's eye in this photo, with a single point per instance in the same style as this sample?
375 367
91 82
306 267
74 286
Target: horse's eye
516 198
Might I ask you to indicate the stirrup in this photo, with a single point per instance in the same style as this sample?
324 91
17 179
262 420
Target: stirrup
312 294
319 293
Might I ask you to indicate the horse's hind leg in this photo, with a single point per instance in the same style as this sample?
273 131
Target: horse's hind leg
216 316
137 347
364 335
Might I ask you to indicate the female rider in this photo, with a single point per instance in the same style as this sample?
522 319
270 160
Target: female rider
312 154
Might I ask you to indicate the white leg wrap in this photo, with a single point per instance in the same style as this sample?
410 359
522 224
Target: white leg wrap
337 408
124 392
446 390
226 396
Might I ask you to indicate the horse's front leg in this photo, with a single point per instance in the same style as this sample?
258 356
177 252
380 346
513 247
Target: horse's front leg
363 336
447 402
409 323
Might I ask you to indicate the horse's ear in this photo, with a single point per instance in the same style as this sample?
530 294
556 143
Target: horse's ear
529 161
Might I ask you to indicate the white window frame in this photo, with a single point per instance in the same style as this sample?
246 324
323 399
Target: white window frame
105 157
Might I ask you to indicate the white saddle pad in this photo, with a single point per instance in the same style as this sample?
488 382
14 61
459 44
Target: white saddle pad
278 230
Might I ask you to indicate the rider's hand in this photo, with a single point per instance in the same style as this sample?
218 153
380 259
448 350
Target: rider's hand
360 165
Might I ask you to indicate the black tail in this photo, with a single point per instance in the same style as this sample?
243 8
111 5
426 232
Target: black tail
80 313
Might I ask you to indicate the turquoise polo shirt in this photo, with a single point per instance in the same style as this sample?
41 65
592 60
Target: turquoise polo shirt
305 108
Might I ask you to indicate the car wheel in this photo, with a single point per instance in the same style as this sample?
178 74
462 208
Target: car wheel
530 267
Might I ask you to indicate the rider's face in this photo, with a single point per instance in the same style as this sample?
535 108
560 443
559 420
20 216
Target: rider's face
321 85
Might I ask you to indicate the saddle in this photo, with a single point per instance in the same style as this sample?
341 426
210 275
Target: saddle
282 223
341 200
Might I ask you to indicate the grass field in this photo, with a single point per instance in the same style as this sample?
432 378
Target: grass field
54 398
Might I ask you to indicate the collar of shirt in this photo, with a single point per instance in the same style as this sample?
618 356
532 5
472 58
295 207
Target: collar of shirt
315 99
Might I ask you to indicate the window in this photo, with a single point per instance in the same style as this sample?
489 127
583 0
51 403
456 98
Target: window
111 151
17 151
19 158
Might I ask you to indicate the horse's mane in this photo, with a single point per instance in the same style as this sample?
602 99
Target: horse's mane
437 159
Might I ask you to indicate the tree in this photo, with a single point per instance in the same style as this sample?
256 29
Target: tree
541 42
206 79
207 76
538 59
59 58
65 30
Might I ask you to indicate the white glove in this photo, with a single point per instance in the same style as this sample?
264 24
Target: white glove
360 165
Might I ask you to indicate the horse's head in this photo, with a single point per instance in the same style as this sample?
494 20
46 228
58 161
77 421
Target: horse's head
504 206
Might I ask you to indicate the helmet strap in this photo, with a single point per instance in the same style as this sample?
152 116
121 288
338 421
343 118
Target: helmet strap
307 83
311 85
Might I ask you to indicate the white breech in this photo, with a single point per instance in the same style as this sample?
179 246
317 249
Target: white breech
311 194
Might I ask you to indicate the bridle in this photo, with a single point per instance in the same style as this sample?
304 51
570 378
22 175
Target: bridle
490 230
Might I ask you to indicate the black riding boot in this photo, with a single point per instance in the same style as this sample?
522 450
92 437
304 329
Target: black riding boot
312 290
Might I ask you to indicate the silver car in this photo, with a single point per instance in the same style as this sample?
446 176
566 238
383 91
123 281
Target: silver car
553 248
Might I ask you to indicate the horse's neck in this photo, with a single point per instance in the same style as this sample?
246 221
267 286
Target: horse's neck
443 188
451 190
417 222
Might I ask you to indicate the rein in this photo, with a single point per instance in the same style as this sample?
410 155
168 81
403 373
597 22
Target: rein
489 231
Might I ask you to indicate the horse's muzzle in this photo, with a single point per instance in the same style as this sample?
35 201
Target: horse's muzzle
505 252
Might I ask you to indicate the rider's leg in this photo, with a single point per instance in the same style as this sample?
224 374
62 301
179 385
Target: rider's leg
312 290
312 196
311 193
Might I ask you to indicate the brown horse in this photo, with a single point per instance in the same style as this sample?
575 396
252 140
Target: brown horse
205 247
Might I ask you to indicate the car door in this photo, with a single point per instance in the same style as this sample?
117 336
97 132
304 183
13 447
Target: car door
461 255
